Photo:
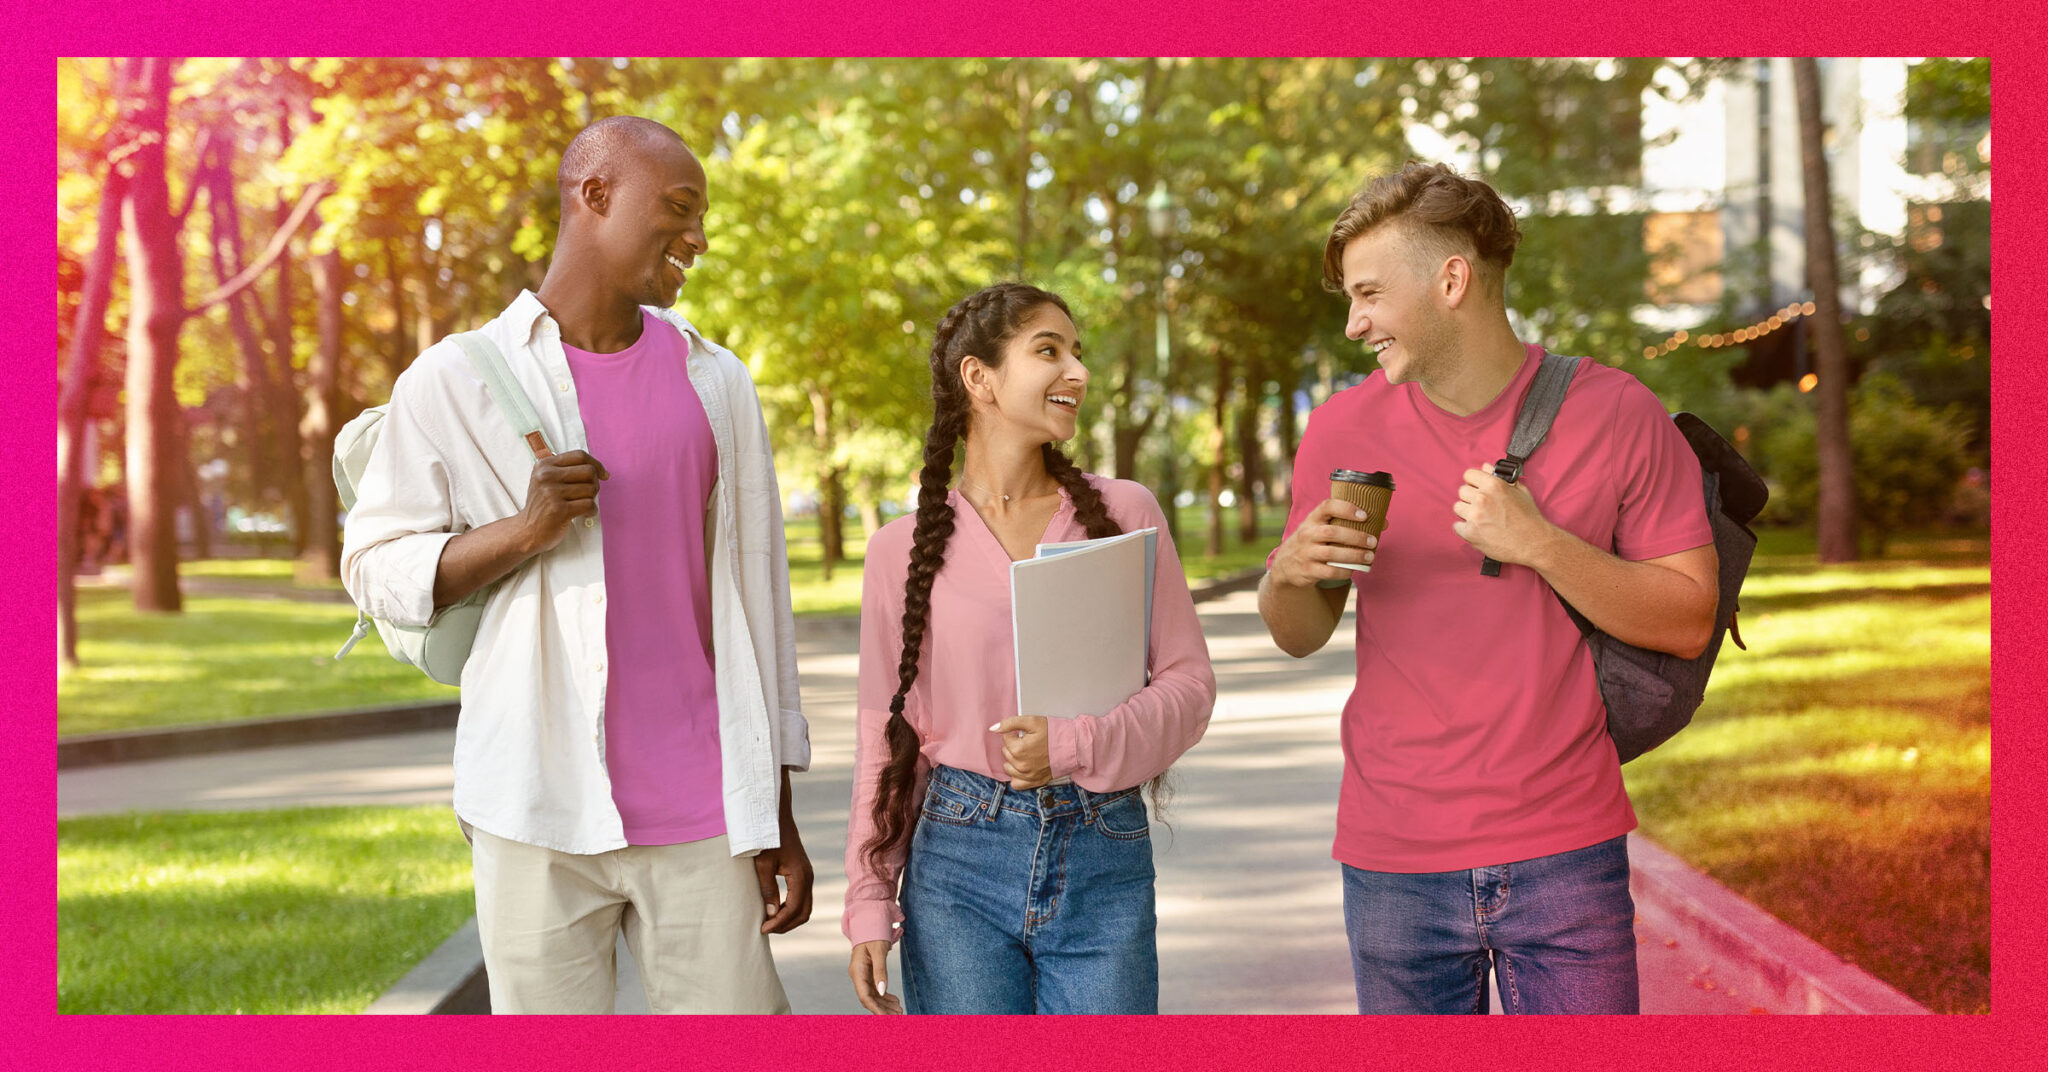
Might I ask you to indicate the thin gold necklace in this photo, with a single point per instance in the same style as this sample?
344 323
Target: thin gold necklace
964 483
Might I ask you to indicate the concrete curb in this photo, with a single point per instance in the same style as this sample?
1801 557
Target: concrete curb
1752 950
127 746
450 980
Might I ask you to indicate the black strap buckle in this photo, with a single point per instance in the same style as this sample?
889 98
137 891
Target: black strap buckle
1509 469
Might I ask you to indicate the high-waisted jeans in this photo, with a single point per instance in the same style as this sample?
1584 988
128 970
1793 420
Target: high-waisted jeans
1036 900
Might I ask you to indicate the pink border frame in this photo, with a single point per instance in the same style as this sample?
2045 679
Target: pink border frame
36 1037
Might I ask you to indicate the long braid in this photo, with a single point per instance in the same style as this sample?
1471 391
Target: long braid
894 809
1089 509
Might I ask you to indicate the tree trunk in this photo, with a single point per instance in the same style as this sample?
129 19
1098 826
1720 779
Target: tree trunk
1023 167
1281 482
289 413
81 375
425 333
156 313
1250 458
258 425
1219 462
398 353
321 557
831 488
189 497
1836 530
871 494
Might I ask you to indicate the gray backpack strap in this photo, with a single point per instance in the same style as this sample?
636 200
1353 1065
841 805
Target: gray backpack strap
1532 423
490 364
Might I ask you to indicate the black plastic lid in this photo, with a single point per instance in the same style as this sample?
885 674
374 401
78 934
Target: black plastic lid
1353 476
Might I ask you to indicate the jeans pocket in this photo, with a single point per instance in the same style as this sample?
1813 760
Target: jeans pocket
1123 818
947 804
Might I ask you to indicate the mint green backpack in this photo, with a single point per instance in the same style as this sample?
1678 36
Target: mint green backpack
442 646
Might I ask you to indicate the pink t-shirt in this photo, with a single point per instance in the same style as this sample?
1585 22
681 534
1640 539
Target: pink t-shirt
1476 734
647 426
967 679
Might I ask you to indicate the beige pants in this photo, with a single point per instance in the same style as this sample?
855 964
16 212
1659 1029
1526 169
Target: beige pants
692 915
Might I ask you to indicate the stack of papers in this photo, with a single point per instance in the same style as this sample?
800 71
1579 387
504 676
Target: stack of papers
1081 613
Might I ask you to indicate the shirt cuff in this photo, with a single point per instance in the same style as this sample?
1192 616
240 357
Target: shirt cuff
796 740
871 921
1064 737
405 568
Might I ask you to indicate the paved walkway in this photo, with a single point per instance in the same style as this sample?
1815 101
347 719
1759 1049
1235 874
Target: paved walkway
1249 900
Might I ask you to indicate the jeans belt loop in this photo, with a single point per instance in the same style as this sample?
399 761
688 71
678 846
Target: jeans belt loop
996 804
1087 800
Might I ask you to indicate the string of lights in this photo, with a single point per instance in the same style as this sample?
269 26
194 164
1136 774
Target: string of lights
1737 337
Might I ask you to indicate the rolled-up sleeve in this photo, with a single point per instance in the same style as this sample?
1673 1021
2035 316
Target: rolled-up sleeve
404 513
1141 737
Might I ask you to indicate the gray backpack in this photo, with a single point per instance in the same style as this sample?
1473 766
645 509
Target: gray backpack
1651 695
442 646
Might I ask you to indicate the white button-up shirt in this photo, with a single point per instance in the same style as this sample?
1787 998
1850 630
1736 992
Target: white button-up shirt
529 747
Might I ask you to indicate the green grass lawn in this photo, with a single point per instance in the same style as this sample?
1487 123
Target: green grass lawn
310 910
224 658
1839 773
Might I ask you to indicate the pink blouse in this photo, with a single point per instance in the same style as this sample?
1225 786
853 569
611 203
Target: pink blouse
967 680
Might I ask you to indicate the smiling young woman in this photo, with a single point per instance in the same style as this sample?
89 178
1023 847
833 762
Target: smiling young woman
1020 844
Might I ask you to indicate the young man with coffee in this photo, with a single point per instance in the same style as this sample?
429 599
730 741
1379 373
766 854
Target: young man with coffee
1481 818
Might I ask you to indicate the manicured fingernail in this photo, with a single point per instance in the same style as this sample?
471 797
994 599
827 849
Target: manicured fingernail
1360 514
882 987
995 727
1372 541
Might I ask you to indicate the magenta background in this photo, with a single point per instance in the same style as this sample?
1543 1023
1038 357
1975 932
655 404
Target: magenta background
33 1036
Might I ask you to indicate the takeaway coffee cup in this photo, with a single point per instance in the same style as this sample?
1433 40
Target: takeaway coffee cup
1371 492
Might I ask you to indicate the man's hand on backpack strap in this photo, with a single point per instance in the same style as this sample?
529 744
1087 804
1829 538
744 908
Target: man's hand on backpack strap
563 487
1501 519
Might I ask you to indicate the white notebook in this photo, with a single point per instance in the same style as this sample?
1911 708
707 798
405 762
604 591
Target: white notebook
1081 615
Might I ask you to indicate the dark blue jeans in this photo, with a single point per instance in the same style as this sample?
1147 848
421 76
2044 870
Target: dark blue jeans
1557 930
1037 900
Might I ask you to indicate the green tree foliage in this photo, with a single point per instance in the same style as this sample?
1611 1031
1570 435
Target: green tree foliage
854 200
1909 457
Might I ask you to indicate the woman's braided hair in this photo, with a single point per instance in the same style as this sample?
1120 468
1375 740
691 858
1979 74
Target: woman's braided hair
981 325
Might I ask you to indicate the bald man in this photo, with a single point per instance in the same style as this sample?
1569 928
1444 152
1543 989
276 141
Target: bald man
630 710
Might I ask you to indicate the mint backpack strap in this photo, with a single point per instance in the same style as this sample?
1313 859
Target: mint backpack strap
490 364
1532 423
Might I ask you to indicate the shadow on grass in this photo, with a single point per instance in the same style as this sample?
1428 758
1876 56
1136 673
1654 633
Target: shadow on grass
1949 699
293 911
260 948
1753 605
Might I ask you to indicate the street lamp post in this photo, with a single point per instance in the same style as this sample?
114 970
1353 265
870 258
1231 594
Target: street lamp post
1159 213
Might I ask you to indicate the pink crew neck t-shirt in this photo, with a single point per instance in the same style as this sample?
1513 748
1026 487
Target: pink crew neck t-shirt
967 679
1476 735
647 427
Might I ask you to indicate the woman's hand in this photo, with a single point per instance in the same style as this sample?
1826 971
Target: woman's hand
1027 750
870 972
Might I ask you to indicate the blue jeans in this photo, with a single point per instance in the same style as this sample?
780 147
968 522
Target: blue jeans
1036 900
1558 931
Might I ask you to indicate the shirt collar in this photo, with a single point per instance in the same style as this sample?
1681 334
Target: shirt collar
528 318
